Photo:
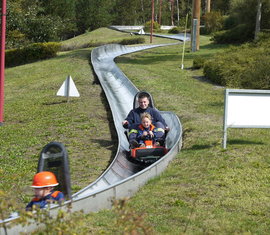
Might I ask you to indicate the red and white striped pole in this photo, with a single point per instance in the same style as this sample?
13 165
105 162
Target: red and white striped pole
2 59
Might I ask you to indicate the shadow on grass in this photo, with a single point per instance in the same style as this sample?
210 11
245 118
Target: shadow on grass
215 46
147 60
201 146
202 79
58 102
231 142
205 79
108 144
208 51
238 141
111 145
79 54
216 104
157 57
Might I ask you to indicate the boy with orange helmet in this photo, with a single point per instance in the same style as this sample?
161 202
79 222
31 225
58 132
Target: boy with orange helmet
43 184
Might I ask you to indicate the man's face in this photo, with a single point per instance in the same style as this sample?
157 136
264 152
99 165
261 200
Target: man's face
143 103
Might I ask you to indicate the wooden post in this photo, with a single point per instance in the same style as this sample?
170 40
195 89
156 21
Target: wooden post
196 10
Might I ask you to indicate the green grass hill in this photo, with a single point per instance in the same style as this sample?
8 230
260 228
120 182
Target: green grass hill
204 190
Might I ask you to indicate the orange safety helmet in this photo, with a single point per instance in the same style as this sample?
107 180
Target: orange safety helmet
44 179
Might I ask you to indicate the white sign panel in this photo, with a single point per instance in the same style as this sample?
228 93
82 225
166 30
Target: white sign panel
251 110
246 109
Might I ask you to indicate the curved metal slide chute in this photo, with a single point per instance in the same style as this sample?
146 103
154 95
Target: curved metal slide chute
123 177
128 29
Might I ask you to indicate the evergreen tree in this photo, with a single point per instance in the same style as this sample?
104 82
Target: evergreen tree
101 13
132 12
92 14
83 15
221 6
62 8
63 11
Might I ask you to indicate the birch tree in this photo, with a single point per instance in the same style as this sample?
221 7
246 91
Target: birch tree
258 19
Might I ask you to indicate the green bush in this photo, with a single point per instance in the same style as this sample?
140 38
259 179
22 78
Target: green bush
223 72
264 35
213 22
229 22
241 67
213 72
31 53
257 75
239 34
198 62
226 69
130 41
15 39
174 30
147 26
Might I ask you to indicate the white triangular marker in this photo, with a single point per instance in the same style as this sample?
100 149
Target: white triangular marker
68 88
141 31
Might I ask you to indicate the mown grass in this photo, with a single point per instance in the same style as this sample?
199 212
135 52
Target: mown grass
35 116
205 189
104 36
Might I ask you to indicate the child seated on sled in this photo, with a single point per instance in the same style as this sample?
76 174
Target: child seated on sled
43 184
145 130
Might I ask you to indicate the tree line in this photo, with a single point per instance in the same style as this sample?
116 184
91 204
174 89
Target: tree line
55 20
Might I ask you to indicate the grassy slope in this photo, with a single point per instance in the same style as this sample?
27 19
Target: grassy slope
34 116
204 190
105 36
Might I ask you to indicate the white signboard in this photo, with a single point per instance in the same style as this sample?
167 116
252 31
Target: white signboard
246 109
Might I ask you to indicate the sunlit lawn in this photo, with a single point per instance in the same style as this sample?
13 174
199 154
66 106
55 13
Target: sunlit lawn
205 189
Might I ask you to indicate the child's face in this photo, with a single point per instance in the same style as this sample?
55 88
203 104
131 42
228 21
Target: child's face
146 122
42 192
